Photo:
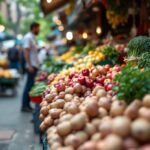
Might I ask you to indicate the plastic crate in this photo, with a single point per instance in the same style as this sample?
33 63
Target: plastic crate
44 143
8 81
36 99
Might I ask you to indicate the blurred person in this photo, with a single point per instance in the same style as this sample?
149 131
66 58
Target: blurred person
13 57
22 61
32 63
42 55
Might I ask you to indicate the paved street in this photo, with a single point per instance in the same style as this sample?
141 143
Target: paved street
16 131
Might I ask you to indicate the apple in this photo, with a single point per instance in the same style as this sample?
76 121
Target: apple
85 72
100 80
71 76
89 83
107 67
109 87
81 80
109 75
60 87
102 70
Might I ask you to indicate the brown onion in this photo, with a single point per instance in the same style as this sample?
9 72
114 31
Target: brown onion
90 129
104 102
132 109
113 142
117 108
144 113
65 117
41 117
72 140
48 121
102 112
44 110
101 93
55 113
77 88
90 145
69 90
96 137
68 97
105 127
60 103
72 108
49 97
64 128
42 127
130 143
91 108
141 130
78 121
121 126
146 100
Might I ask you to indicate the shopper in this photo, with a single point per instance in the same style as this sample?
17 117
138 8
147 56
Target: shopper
32 63
13 58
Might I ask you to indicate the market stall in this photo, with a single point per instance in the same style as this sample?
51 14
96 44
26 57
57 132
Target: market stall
8 81
99 96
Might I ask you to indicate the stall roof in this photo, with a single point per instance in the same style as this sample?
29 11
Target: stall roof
48 6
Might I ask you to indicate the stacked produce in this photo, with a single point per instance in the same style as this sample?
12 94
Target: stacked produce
4 73
82 111
94 107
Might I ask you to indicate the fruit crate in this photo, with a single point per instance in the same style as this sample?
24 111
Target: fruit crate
8 81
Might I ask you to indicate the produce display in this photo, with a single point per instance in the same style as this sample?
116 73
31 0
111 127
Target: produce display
4 73
82 112
94 107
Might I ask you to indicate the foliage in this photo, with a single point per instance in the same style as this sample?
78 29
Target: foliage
111 54
139 45
132 84
34 13
118 8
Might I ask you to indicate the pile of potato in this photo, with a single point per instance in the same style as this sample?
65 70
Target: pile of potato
80 118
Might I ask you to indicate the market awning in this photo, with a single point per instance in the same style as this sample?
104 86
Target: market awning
51 5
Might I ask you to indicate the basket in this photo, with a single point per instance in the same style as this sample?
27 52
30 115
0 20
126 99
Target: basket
36 99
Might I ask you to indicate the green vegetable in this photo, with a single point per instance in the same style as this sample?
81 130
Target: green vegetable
138 46
52 66
87 48
132 84
38 89
111 54
144 60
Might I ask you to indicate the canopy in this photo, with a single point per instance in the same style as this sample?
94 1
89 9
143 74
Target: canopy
48 6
